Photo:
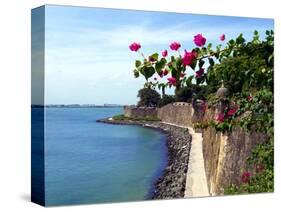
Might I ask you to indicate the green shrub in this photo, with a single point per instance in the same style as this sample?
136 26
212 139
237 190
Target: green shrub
166 99
186 93
261 178
122 117
148 97
119 117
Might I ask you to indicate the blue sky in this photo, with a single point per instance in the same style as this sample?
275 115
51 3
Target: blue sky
87 59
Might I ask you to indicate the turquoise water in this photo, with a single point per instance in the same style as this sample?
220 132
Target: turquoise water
90 162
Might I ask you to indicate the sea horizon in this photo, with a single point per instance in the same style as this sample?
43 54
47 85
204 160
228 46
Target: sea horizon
78 105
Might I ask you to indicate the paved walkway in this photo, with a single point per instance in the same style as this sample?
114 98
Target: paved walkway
196 182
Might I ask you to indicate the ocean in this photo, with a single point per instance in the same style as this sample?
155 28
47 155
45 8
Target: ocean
90 162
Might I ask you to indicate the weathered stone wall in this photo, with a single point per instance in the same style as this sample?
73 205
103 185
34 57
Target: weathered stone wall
140 112
181 113
177 113
225 155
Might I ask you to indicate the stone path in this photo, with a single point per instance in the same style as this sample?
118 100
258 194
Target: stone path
196 182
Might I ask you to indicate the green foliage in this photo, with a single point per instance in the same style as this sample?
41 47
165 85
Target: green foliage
187 93
244 67
261 107
148 97
160 65
259 82
166 99
262 180
122 117
247 70
144 68
223 127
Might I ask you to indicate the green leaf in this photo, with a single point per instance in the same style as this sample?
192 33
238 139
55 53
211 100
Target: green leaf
179 62
204 50
240 39
136 73
193 64
256 37
138 63
231 42
155 56
189 80
174 73
174 64
160 65
148 72
201 63
141 70
211 61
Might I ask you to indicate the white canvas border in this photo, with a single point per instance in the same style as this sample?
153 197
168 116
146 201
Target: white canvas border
15 103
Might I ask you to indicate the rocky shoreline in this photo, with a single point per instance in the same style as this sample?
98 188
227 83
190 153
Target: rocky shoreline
172 182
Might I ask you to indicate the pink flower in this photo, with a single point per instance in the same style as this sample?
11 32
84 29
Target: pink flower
245 177
165 72
172 81
199 73
222 37
249 98
175 46
135 47
182 74
188 57
219 117
161 74
199 40
231 111
165 53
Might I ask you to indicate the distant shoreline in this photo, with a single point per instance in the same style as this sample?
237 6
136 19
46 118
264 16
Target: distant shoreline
77 106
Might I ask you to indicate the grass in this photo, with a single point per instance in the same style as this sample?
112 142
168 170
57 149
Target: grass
121 117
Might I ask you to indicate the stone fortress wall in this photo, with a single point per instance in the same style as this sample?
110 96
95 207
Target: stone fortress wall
224 155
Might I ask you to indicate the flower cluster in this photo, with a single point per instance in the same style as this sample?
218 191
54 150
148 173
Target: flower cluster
187 59
172 81
245 177
165 53
175 46
199 40
135 47
220 117
222 37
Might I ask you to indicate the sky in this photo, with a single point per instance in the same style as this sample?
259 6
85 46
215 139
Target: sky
87 59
